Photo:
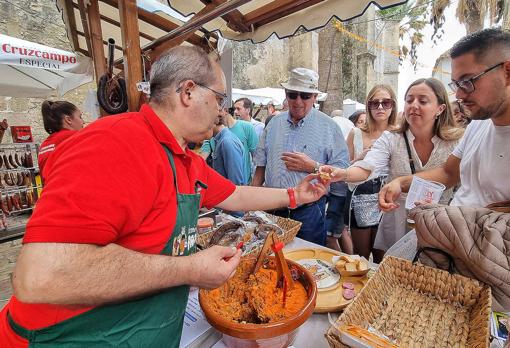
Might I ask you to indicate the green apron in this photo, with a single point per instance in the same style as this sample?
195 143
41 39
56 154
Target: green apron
153 321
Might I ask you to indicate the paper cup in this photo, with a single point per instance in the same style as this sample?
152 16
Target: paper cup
432 192
423 191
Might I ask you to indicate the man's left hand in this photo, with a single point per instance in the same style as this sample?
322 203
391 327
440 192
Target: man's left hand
307 192
298 161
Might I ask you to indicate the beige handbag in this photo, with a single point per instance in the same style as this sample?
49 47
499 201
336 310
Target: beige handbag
474 237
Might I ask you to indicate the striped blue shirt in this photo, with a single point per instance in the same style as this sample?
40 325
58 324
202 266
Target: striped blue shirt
316 135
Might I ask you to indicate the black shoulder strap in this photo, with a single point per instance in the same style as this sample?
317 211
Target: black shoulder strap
411 161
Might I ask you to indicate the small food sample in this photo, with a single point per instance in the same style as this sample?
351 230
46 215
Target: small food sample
350 264
348 294
205 225
254 298
325 176
351 267
348 285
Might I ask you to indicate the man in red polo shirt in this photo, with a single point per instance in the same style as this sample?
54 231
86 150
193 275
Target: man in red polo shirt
109 252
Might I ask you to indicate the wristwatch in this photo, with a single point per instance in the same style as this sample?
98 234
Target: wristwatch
316 168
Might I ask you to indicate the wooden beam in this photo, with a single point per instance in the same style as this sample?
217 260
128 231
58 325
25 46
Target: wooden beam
71 23
156 51
131 49
235 19
81 33
156 20
93 22
85 25
117 24
96 38
276 10
85 52
197 21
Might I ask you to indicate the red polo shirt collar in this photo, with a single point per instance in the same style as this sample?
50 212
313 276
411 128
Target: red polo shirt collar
161 131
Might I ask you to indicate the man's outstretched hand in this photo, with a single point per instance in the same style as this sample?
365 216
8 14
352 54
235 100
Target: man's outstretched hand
307 192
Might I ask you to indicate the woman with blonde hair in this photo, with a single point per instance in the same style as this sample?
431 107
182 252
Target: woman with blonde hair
424 140
381 113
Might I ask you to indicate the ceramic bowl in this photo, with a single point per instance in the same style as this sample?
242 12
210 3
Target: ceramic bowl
276 334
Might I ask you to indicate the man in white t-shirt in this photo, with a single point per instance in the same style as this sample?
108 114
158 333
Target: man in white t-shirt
243 109
345 124
481 161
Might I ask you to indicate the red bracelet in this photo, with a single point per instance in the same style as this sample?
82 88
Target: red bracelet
292 198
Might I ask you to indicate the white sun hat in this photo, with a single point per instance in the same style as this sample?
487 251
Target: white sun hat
302 80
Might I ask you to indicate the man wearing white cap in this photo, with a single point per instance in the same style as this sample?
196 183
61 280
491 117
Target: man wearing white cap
297 142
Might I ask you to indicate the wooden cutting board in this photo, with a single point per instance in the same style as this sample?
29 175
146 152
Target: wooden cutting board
329 281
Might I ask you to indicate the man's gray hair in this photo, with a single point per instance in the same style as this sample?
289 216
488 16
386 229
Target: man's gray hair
176 65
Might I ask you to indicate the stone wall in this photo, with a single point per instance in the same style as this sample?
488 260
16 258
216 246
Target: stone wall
37 21
368 59
267 64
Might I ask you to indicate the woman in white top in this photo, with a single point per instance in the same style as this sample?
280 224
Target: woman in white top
432 135
381 113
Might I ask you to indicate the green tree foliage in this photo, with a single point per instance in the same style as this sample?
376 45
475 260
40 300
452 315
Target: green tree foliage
416 14
413 18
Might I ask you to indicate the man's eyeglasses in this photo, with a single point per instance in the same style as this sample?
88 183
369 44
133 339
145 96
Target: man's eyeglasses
220 97
468 85
385 103
303 95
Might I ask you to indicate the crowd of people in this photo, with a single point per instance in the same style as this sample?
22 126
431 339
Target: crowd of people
119 192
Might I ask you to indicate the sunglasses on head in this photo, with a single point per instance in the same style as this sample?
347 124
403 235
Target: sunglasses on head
385 103
304 96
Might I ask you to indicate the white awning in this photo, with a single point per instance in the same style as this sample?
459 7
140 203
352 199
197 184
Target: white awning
283 18
29 69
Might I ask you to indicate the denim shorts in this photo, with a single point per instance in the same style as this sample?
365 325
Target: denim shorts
335 215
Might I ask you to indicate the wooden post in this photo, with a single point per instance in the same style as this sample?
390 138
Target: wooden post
85 25
96 38
96 41
131 48
71 23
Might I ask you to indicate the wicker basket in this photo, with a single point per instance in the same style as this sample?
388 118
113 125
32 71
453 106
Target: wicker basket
420 306
290 230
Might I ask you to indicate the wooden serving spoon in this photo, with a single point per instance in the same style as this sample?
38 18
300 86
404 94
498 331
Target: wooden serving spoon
283 278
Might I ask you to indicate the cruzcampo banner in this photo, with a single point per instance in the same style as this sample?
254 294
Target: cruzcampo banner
19 52
28 69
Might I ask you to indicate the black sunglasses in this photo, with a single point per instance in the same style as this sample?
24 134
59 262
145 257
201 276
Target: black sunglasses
302 95
385 103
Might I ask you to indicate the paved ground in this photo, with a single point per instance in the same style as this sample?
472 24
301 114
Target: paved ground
8 255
